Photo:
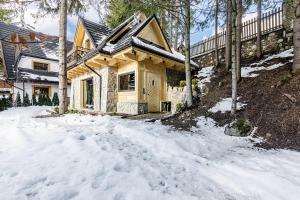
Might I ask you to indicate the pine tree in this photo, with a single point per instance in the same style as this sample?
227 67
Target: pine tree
48 101
33 100
55 100
19 101
26 101
41 99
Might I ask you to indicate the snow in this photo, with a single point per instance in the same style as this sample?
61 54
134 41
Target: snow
174 53
247 71
205 74
260 66
39 77
102 157
225 105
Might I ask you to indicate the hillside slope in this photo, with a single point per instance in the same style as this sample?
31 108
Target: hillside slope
271 95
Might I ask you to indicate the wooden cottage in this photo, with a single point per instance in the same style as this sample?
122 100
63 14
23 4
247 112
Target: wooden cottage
124 70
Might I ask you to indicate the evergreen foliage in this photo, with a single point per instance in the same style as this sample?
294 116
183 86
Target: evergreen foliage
120 10
55 100
33 100
48 101
19 101
26 101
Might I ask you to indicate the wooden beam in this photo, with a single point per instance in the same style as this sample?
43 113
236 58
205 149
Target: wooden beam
130 56
142 56
157 61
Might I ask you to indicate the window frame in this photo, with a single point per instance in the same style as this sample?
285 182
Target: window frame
119 82
48 66
85 95
41 86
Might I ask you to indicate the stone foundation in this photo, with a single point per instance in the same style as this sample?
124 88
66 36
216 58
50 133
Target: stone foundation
132 108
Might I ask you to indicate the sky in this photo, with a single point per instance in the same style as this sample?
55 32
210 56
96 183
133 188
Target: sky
49 23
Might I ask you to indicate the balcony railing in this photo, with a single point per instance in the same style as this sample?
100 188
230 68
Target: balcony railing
76 54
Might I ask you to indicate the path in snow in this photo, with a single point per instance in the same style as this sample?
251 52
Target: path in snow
88 157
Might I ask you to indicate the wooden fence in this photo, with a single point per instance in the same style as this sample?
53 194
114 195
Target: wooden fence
270 22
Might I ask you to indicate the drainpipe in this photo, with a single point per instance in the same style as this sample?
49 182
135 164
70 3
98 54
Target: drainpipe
100 90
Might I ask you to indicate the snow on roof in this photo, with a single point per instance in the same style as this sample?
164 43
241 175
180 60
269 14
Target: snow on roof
32 76
175 55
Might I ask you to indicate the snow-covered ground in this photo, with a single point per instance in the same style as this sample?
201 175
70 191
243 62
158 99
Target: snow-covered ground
94 157
261 65
225 105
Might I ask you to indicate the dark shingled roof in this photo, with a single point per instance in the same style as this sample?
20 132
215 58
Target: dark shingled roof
38 75
98 32
48 49
130 39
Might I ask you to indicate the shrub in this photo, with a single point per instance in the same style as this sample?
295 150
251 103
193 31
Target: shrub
182 83
72 111
2 105
179 107
33 100
286 78
195 82
48 101
242 125
18 100
55 100
26 101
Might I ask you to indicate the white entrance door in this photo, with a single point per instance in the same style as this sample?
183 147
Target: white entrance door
153 91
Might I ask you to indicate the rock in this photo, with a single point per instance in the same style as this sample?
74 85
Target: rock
239 128
268 135
280 40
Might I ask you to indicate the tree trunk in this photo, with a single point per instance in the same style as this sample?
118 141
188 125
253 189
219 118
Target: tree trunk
187 53
228 35
62 57
296 30
176 25
234 59
239 15
258 42
216 34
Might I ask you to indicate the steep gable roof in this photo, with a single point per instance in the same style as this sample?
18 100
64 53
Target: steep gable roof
127 36
97 32
47 50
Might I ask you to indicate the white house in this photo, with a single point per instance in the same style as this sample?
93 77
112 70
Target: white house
34 69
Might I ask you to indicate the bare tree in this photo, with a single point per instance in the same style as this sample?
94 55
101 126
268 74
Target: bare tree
216 34
228 35
187 52
296 30
62 57
258 42
176 24
239 14
234 60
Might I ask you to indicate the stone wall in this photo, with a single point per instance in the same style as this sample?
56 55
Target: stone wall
132 108
112 90
176 95
272 42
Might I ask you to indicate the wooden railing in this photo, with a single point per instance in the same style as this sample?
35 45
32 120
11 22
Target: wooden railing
75 55
270 22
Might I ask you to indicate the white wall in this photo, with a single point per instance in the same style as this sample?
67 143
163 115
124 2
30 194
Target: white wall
28 89
26 62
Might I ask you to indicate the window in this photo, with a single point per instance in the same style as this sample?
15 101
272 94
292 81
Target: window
88 93
87 44
37 90
41 66
127 82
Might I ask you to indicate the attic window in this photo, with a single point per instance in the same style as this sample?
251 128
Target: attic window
119 37
87 44
40 66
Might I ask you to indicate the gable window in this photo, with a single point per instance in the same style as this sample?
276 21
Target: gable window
127 82
41 90
40 66
87 44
